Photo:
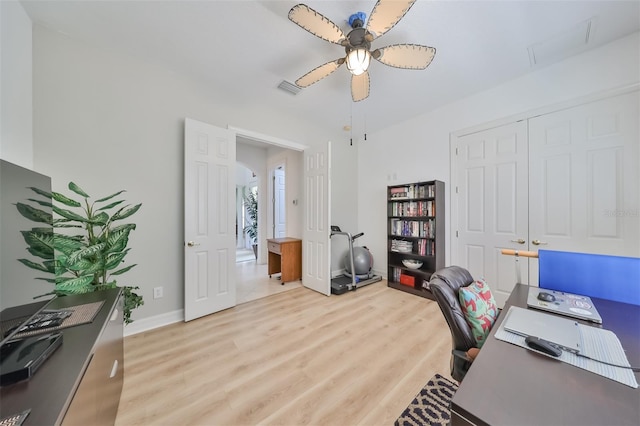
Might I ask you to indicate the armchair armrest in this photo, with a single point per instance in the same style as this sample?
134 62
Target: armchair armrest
469 355
462 355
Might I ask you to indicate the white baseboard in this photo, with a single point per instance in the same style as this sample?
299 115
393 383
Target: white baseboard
146 324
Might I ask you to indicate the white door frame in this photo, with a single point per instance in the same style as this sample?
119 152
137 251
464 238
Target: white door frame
271 140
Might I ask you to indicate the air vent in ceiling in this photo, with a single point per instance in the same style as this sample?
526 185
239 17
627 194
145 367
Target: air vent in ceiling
289 87
562 45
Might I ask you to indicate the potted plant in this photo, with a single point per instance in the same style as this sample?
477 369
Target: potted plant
88 260
251 229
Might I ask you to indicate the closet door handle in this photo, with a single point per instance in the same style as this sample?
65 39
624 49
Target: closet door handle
519 241
537 242
191 244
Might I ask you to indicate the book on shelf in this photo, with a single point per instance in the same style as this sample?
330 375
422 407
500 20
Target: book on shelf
401 246
412 228
412 191
399 192
412 208
426 247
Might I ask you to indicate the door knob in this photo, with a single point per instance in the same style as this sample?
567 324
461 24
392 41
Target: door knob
537 242
191 244
519 241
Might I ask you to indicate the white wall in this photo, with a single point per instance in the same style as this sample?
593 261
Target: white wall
16 136
109 122
418 149
345 187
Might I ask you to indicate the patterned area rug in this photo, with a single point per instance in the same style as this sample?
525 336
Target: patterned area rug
431 406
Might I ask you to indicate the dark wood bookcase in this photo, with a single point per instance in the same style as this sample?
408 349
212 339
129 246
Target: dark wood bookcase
415 231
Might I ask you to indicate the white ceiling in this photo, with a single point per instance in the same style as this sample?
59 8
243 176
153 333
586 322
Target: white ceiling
241 50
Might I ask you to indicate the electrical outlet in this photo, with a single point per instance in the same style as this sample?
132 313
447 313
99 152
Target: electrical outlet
157 292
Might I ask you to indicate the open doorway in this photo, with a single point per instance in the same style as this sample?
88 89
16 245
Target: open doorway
246 214
247 219
211 156
260 172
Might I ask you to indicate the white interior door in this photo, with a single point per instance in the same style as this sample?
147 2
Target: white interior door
491 197
279 200
317 208
584 184
209 219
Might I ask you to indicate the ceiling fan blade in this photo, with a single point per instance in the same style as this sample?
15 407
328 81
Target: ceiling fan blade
316 24
386 14
407 56
360 86
319 73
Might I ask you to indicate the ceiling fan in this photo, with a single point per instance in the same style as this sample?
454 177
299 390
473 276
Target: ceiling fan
357 43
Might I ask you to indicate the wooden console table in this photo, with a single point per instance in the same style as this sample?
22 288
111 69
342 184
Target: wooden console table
285 256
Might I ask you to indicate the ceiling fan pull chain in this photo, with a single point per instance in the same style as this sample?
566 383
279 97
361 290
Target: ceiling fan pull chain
364 118
351 119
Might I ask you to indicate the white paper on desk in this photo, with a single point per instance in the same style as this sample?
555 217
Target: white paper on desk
597 343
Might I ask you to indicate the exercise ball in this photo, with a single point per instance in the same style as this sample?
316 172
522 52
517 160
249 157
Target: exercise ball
362 261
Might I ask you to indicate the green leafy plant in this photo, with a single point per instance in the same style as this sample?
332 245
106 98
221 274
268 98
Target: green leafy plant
85 261
251 204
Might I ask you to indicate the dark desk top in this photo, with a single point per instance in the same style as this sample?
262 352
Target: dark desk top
509 385
49 392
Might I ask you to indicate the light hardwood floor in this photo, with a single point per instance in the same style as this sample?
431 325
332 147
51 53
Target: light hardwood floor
253 282
295 358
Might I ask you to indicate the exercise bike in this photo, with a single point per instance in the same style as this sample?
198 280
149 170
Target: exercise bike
357 266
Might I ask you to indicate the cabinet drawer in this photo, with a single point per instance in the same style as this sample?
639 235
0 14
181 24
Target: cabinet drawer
274 248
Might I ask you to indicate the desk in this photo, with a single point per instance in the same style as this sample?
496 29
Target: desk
285 256
509 385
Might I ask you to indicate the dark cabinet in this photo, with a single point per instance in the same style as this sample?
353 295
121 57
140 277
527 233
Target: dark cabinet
81 382
415 235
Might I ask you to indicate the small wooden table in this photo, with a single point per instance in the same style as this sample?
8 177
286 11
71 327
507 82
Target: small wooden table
285 256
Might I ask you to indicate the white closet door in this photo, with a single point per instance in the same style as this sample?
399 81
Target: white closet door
584 183
492 205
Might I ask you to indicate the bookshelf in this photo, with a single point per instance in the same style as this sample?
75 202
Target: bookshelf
415 233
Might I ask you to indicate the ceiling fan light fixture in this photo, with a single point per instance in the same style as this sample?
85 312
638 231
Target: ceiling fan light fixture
358 60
